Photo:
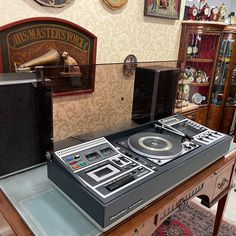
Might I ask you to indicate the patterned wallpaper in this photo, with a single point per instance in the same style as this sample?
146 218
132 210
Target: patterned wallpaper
120 32
108 108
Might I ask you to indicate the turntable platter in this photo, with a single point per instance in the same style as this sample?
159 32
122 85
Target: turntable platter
153 145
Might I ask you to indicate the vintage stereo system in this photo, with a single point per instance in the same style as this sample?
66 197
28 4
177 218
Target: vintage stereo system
112 177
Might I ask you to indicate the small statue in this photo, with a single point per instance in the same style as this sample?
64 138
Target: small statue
222 13
70 63
214 13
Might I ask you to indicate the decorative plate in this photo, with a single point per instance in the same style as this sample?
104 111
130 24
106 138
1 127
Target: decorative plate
53 3
197 98
115 4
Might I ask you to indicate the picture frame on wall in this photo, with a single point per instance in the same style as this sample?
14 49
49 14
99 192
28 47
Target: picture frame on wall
169 9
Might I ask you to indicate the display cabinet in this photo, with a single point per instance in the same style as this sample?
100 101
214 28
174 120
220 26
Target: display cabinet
223 98
198 52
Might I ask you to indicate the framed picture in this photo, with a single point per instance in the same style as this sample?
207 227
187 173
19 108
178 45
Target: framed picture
162 8
66 50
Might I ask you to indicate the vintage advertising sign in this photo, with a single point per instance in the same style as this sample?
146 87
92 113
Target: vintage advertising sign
50 41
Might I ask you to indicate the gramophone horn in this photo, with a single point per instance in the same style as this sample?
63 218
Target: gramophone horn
50 58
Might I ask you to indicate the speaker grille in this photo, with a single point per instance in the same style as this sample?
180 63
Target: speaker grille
25 126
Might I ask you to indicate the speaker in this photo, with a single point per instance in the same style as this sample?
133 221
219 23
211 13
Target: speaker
25 122
154 93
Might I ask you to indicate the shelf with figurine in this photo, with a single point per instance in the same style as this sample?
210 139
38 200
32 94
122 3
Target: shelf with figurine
199 84
189 87
204 12
198 53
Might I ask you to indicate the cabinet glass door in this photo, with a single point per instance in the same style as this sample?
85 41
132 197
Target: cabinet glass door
222 69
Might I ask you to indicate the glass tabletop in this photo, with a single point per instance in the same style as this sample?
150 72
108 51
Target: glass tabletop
45 210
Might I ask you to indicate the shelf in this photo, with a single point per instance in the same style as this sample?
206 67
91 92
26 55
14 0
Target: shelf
190 107
199 84
204 60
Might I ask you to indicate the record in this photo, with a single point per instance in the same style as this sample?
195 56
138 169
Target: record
153 145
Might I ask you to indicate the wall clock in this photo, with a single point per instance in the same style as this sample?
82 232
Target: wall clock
192 13
115 4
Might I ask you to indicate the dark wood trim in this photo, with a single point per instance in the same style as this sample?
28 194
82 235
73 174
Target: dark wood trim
12 217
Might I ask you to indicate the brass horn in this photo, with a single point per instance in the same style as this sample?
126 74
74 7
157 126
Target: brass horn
52 57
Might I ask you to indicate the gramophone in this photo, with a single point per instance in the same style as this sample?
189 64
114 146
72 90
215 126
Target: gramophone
52 57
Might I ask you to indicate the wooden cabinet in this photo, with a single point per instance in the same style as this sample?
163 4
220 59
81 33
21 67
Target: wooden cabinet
223 98
199 45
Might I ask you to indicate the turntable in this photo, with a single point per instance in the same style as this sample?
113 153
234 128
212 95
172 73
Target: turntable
112 177
155 146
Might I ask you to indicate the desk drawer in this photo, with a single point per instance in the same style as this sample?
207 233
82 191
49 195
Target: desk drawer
222 181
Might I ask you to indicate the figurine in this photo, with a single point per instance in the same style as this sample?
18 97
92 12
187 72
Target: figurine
222 13
70 62
214 13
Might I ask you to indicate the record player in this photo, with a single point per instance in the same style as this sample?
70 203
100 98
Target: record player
112 177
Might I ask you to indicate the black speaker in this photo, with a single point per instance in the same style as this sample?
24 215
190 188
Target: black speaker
25 121
154 93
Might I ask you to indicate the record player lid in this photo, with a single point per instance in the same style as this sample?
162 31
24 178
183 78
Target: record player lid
153 145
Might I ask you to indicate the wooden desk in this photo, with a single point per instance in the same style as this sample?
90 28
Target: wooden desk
212 185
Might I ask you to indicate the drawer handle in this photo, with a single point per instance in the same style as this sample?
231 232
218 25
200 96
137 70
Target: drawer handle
221 185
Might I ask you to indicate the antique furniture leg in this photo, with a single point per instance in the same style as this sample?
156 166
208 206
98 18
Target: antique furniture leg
219 215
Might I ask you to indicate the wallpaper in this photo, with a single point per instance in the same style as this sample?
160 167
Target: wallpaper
107 109
119 33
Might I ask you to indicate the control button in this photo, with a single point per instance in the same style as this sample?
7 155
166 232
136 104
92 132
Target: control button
68 159
82 164
193 144
128 154
123 159
118 162
205 140
75 167
187 145
73 162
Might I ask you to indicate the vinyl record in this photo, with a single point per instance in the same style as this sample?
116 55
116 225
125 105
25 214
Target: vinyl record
157 146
